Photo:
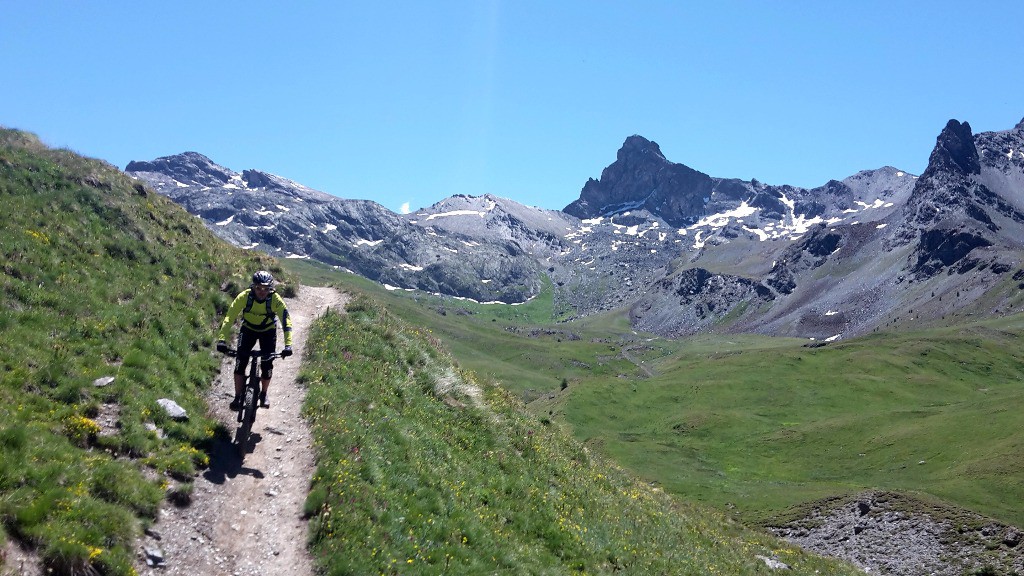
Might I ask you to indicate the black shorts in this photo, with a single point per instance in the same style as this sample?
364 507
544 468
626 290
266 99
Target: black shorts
247 340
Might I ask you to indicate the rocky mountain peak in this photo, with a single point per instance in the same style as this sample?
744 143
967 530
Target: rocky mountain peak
954 151
641 178
965 197
187 167
640 149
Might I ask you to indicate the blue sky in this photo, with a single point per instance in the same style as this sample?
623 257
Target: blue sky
406 103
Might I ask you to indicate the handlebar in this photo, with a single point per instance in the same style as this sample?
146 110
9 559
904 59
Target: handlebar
254 353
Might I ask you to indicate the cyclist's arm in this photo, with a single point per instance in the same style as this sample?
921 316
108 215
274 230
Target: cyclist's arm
229 318
281 309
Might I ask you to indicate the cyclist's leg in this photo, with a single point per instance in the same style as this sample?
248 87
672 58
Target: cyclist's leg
246 342
268 343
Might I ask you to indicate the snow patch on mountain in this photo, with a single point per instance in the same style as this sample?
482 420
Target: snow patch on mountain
457 213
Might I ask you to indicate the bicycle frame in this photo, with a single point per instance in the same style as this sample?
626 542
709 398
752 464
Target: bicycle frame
251 396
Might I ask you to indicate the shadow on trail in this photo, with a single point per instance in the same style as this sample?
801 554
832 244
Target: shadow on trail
226 462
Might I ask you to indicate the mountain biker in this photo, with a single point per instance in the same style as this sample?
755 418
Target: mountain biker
260 308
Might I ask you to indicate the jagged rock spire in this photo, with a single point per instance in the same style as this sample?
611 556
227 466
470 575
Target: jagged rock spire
954 151
642 178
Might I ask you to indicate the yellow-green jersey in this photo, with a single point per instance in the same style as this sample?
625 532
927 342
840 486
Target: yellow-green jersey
257 316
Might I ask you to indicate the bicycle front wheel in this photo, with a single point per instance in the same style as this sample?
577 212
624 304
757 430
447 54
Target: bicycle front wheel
249 405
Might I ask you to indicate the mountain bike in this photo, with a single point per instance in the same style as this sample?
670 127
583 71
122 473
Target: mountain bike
250 398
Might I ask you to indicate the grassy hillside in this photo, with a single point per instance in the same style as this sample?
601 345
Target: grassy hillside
101 278
757 425
426 470
762 426
417 471
111 296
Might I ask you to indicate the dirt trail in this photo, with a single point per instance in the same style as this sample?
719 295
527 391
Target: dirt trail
246 515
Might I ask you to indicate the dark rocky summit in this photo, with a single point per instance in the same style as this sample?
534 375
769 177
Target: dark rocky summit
641 178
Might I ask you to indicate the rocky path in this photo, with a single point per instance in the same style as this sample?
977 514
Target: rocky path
245 517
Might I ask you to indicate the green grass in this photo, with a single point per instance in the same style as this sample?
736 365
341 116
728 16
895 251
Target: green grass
766 428
757 424
417 475
105 278
101 278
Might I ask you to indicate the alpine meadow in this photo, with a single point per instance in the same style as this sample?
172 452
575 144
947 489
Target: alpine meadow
705 383
112 294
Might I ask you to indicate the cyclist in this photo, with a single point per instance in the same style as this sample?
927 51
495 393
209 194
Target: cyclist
260 307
